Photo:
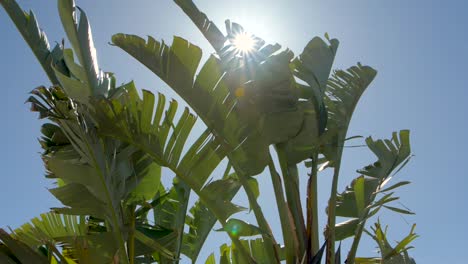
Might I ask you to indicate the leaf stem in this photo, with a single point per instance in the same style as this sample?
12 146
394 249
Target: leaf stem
330 233
359 229
286 224
312 210
183 214
291 186
272 252
131 236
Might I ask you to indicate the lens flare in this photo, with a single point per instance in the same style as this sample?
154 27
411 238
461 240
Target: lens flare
244 42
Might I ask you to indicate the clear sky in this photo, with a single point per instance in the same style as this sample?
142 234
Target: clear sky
418 47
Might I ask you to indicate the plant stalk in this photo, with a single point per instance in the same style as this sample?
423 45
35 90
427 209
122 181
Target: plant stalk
182 213
195 186
359 229
357 237
312 211
131 236
272 251
286 225
330 234
291 186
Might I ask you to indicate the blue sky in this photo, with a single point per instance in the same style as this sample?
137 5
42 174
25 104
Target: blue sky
418 48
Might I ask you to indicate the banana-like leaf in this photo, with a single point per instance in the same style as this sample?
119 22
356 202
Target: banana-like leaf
202 220
95 174
79 81
130 119
28 26
110 177
232 103
16 249
256 247
314 66
156 239
93 80
171 213
389 254
51 228
359 197
71 233
61 69
150 177
344 88
6 255
301 146
239 228
211 32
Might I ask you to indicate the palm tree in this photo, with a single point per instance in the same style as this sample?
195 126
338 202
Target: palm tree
105 146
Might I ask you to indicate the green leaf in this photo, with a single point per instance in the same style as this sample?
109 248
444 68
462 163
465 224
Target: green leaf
96 173
359 198
6 259
79 200
256 248
22 252
73 234
403 245
396 185
346 229
391 155
157 240
346 205
359 192
343 91
28 26
218 189
368 260
253 185
389 254
211 259
212 94
80 36
384 200
74 88
301 146
314 66
398 210
206 26
171 213
125 118
239 228
51 228
150 180
202 220
6 256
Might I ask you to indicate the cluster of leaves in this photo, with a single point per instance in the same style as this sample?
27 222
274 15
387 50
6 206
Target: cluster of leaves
105 147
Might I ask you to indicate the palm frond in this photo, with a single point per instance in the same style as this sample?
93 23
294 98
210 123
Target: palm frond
202 220
95 174
28 26
231 103
211 32
389 255
344 89
256 247
12 250
358 201
129 119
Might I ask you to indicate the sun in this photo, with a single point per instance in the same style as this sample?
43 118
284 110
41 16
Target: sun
244 42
